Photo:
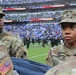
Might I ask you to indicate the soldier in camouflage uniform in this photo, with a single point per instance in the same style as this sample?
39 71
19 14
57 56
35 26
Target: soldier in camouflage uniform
15 45
61 52
6 67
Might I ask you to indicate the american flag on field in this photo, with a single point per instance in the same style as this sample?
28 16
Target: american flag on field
5 67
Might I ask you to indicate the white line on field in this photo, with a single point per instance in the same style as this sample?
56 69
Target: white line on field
37 55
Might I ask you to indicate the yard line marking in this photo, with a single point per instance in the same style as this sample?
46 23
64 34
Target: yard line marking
37 55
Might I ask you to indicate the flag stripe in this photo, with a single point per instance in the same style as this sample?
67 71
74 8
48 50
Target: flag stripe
5 68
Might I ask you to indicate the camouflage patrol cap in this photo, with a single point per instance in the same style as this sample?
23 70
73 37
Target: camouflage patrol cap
1 12
68 16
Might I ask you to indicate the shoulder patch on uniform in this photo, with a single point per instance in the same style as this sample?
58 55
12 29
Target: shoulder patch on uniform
5 67
5 64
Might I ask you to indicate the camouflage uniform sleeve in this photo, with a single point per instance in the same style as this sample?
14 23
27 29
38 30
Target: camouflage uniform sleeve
54 57
18 49
22 52
49 59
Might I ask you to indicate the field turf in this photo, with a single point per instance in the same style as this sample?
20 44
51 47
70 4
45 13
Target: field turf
38 53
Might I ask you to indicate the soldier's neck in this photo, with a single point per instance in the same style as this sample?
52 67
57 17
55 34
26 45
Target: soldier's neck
71 45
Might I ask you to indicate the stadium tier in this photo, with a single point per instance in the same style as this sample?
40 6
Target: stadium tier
35 17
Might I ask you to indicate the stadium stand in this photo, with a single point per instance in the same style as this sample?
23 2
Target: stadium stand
32 17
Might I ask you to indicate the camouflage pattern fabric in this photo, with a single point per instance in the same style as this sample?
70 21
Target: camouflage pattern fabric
58 54
6 67
15 45
68 16
68 67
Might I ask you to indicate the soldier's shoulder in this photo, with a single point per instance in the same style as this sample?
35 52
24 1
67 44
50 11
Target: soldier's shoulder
9 36
58 48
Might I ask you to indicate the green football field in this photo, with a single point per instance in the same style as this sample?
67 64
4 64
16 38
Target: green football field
38 53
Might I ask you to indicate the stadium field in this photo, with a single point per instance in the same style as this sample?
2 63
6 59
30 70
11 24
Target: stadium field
38 53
